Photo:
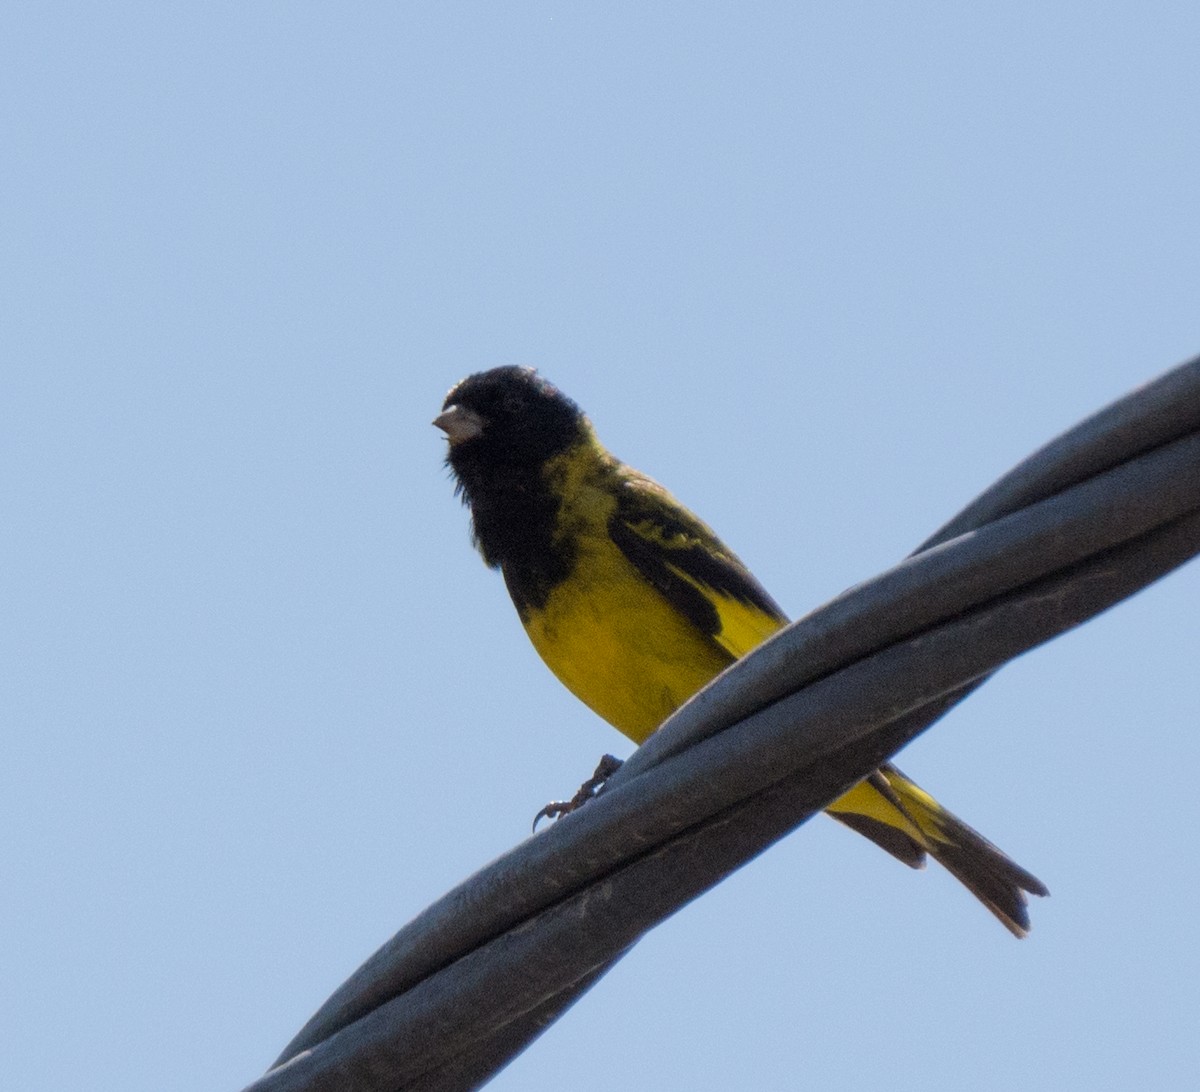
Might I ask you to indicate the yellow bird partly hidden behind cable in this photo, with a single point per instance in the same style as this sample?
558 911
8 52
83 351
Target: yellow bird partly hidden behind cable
635 604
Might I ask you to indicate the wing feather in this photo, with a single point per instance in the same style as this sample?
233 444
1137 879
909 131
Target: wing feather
691 568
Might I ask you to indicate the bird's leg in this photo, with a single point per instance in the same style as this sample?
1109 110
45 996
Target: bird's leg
556 808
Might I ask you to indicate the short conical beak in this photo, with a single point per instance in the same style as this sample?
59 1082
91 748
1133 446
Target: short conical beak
459 424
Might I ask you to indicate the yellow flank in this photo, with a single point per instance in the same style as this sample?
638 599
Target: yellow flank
611 639
743 625
618 646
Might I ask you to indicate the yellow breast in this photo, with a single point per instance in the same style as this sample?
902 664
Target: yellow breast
618 646
608 634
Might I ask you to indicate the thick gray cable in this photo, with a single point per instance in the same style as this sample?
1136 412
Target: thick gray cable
471 980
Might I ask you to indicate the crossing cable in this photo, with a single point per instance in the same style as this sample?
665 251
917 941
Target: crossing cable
1091 518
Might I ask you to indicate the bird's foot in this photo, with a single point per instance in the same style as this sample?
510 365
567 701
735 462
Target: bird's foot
556 808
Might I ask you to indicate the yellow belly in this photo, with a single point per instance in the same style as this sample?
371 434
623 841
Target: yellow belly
619 647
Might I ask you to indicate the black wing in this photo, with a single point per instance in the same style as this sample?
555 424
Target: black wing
690 567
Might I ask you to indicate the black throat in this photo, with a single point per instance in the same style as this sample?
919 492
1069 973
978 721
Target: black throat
514 514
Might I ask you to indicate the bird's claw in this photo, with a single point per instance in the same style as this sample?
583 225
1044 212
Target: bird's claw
607 766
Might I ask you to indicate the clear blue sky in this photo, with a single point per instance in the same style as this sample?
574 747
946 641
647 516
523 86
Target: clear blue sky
825 270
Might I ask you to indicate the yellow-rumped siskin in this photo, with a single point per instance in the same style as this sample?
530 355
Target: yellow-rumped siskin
635 604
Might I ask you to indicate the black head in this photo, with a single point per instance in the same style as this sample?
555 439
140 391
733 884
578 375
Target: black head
506 421
503 425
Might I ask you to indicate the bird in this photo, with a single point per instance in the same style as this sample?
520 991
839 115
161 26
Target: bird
634 603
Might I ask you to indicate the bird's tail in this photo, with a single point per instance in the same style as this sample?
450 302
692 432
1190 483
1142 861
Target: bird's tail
901 817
